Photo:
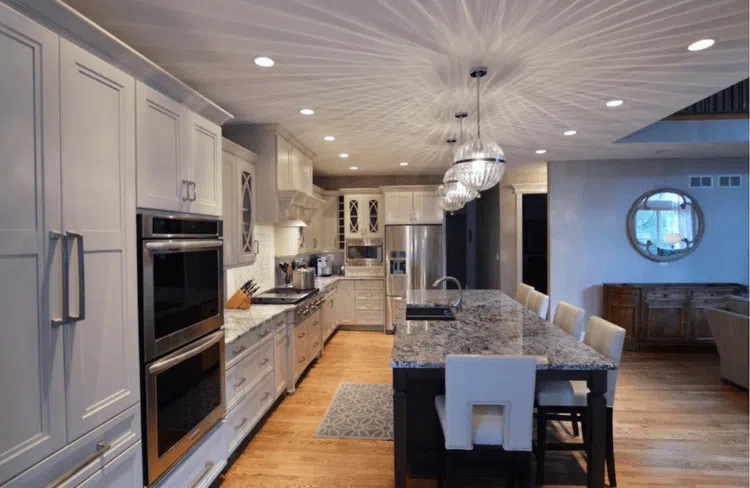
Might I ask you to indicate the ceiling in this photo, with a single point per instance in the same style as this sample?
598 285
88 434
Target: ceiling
386 76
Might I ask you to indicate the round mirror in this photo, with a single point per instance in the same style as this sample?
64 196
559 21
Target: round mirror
665 224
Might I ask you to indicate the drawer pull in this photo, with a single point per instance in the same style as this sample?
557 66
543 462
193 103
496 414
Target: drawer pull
101 448
265 397
239 426
300 336
301 360
237 351
265 333
204 473
264 362
236 385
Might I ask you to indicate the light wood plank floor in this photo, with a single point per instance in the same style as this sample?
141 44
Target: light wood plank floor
676 425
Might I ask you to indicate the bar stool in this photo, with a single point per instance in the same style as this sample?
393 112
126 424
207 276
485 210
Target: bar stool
489 403
570 397
570 319
538 303
522 293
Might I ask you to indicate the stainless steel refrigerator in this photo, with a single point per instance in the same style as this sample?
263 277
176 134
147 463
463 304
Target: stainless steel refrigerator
413 261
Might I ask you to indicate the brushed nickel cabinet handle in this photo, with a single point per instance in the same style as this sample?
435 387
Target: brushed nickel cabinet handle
239 426
101 448
186 184
301 360
237 351
81 278
55 236
195 194
206 470
235 385
256 245
264 362
265 333
265 397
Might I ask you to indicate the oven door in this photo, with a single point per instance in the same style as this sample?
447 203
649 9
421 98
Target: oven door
184 398
364 252
181 289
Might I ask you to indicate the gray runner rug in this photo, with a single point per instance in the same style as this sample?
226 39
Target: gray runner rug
359 411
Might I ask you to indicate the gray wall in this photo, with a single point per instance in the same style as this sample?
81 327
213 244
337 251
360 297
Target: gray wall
589 202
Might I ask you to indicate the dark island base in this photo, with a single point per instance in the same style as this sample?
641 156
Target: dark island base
418 443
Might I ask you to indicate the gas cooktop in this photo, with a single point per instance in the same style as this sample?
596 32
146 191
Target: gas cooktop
283 295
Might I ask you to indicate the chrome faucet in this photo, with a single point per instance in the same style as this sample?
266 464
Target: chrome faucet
457 304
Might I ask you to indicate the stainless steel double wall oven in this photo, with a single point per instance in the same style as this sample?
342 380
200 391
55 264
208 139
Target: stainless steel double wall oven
180 296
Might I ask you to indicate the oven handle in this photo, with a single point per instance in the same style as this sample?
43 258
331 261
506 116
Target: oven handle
198 348
183 245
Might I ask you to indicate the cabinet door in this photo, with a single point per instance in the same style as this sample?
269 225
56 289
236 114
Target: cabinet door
245 204
664 321
125 471
354 213
329 315
160 150
426 208
205 165
283 164
330 225
280 361
314 335
622 307
229 207
31 347
399 208
98 193
305 170
373 205
345 305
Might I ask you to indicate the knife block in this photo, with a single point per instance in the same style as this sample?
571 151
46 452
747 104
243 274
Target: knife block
240 300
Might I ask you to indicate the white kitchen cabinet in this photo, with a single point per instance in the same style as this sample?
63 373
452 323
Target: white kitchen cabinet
345 303
31 346
296 169
412 206
239 204
161 146
329 233
280 370
314 336
329 321
125 471
353 215
98 205
204 165
283 164
364 215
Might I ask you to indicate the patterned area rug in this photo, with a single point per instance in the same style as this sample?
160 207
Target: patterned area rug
359 411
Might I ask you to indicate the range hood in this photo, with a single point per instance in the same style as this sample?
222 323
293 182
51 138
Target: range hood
296 206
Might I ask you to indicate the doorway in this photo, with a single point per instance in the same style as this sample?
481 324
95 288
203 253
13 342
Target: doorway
461 246
534 241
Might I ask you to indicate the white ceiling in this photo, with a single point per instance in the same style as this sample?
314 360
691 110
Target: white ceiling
386 76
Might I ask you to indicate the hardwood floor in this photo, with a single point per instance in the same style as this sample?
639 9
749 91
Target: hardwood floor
676 424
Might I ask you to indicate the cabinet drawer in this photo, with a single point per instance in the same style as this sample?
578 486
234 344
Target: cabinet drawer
372 305
126 471
242 418
668 294
202 464
369 285
245 374
369 295
300 359
242 346
370 318
119 433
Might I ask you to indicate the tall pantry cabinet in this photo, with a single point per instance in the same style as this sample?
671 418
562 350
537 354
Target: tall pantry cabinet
68 338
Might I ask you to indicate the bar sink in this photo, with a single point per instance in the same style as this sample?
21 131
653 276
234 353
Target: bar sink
429 312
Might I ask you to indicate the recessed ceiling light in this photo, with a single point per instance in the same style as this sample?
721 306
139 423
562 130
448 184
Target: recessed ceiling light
701 45
354 168
343 155
570 133
329 138
541 151
264 61
307 111
404 163
614 103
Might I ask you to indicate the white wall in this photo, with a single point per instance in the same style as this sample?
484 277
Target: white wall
262 271
589 203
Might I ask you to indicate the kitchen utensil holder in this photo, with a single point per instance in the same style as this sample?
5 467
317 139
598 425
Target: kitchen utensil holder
240 300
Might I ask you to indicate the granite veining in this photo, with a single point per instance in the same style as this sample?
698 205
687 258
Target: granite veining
490 322
239 322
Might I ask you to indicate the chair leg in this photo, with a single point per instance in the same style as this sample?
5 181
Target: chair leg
610 447
524 480
574 422
541 439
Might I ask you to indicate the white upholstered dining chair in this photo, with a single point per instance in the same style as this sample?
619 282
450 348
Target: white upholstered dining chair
522 293
570 319
538 303
489 401
570 397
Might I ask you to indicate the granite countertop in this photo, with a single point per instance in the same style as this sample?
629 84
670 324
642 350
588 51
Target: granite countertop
239 322
490 322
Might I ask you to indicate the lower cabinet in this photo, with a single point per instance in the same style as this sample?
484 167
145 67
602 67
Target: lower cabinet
345 306
242 418
329 319
202 464
125 471
280 369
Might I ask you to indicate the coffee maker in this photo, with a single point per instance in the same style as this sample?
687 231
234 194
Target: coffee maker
325 265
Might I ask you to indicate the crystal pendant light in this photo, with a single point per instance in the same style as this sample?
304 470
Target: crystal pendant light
479 164
454 189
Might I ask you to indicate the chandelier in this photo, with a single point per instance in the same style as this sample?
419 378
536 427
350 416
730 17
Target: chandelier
479 164
453 188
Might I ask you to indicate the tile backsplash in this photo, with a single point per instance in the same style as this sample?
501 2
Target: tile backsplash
262 271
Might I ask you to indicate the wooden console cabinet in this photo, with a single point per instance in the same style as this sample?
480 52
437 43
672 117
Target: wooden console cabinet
665 315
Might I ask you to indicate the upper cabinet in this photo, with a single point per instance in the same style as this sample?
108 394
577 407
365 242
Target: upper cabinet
178 155
364 215
284 173
239 204
412 205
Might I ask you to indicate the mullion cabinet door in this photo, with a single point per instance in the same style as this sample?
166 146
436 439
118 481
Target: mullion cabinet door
245 218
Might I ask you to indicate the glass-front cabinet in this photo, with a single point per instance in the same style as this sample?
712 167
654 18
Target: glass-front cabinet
364 215
239 205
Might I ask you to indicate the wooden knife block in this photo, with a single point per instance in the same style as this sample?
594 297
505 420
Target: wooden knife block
240 300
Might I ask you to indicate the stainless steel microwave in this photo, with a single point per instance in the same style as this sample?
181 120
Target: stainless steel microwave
364 252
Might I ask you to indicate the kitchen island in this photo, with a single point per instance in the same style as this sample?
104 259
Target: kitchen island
490 323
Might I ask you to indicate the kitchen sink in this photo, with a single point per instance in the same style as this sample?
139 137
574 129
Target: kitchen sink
429 312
